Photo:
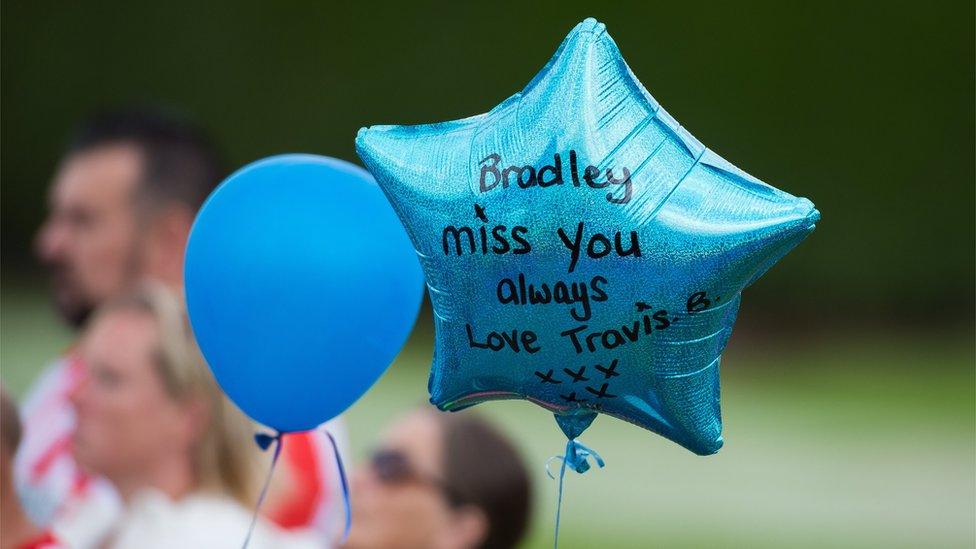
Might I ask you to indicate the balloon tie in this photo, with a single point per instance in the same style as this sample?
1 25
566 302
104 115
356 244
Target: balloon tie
345 486
577 457
264 441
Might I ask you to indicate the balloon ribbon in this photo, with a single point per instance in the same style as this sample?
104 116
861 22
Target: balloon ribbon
577 458
264 441
345 486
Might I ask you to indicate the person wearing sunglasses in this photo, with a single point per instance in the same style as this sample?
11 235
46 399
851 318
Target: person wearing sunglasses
440 481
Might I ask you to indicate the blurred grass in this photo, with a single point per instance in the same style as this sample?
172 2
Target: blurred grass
861 441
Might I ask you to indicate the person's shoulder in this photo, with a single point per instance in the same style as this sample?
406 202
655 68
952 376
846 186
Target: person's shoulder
153 520
235 520
214 508
198 520
197 510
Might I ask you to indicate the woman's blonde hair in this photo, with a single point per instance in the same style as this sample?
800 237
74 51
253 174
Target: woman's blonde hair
225 460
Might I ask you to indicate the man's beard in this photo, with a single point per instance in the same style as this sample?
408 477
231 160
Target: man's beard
72 307
73 303
75 315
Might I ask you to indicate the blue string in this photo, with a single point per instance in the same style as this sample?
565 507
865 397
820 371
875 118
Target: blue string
345 486
577 457
264 441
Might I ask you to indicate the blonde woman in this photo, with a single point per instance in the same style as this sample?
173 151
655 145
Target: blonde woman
151 420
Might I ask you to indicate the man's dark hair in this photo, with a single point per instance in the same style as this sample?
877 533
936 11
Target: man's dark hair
483 467
180 162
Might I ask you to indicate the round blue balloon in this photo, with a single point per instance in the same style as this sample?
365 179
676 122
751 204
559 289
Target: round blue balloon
302 287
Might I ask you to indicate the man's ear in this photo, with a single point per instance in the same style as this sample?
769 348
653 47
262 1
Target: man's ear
468 529
168 233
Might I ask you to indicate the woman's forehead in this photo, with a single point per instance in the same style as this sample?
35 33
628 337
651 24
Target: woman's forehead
121 331
418 434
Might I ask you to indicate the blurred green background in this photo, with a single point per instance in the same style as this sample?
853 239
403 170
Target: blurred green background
848 388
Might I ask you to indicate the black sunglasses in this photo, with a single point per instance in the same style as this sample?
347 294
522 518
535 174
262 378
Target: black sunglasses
394 467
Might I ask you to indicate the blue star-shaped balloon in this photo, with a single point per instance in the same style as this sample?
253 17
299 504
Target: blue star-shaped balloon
582 250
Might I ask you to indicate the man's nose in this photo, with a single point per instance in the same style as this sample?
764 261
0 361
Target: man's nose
50 241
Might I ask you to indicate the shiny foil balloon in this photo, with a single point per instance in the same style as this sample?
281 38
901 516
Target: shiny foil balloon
582 250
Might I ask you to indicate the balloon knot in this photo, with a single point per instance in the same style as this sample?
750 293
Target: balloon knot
264 440
577 458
